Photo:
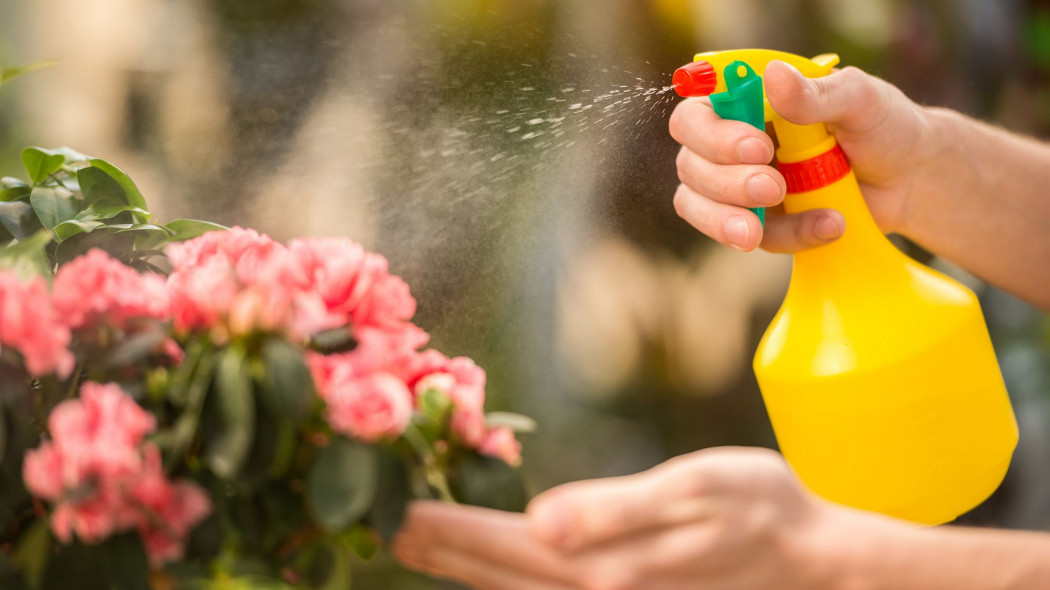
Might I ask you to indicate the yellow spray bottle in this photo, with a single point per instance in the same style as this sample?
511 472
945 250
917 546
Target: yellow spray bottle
878 373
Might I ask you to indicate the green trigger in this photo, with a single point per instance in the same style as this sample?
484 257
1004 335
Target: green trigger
743 101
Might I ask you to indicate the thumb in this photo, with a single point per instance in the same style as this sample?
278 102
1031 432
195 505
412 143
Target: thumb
849 98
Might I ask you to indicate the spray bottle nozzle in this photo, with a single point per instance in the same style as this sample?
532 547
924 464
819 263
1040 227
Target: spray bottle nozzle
695 79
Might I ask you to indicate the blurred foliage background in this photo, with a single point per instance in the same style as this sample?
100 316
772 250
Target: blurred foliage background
511 159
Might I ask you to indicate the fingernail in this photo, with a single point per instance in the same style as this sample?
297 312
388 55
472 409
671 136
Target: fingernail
737 232
753 151
794 71
763 190
551 522
827 229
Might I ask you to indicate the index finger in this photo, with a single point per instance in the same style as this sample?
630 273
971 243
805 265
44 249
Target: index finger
588 513
695 125
488 535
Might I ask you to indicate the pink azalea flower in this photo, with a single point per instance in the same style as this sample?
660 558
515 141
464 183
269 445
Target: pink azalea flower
240 281
502 444
104 479
229 245
201 294
458 378
327 368
353 283
369 408
468 425
92 519
97 288
98 434
42 472
390 351
169 510
29 324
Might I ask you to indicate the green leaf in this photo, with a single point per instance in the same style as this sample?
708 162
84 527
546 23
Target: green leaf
53 205
102 212
190 388
342 482
33 551
108 197
119 563
392 495
284 450
516 422
159 230
99 187
360 539
254 471
236 411
187 229
72 227
134 197
28 258
19 219
127 564
286 387
119 240
487 482
15 193
105 238
8 74
41 163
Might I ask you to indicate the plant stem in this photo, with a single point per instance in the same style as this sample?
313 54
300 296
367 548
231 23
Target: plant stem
74 381
431 463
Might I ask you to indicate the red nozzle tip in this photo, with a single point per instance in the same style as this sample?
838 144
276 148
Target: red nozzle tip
695 79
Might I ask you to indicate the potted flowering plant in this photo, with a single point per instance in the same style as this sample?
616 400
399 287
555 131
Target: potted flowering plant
185 405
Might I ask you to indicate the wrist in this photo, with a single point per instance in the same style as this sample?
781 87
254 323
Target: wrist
854 550
938 163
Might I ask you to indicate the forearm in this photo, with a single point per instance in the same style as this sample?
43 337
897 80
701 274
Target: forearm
983 202
882 554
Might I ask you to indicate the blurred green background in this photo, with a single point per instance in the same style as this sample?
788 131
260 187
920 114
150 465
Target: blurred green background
511 159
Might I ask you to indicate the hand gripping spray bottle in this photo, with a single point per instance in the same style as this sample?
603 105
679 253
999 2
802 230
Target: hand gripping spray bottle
877 372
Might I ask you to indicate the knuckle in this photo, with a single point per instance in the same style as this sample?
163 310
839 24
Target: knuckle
682 162
723 147
730 187
684 476
823 91
865 85
677 123
801 233
681 197
853 74
691 484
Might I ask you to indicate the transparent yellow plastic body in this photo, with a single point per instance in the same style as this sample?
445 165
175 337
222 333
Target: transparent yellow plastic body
879 376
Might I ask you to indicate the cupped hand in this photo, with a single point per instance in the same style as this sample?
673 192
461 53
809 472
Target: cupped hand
718 519
724 166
